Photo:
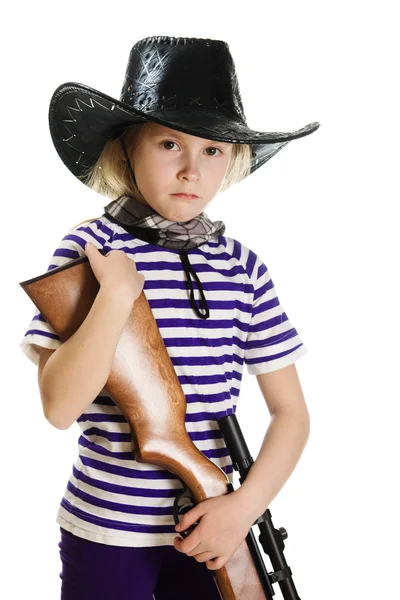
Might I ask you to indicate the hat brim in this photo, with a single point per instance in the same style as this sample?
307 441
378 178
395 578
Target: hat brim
82 119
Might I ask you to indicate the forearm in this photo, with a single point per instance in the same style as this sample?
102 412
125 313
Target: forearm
280 451
78 370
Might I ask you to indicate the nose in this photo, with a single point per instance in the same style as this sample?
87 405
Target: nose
190 171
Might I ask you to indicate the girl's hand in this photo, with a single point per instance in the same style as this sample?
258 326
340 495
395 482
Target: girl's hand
115 271
224 525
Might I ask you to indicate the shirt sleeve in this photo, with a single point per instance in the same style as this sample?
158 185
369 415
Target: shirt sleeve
272 342
39 331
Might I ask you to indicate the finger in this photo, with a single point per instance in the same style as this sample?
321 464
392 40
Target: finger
190 517
203 556
189 543
89 246
199 549
178 544
215 563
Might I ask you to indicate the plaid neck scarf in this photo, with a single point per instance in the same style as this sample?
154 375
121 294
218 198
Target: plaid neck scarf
145 223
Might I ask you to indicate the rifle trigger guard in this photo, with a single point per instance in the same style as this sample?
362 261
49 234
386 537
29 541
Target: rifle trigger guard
185 493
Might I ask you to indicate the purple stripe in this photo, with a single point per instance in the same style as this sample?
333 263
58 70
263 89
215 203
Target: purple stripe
104 401
266 306
263 289
205 324
273 340
205 360
269 323
111 524
215 304
123 489
100 450
158 474
81 241
126 437
104 418
253 361
209 398
224 413
212 286
177 342
209 379
210 256
223 360
237 250
95 417
117 506
39 317
213 453
262 269
125 471
251 261
68 252
191 418
100 224
198 342
166 265
109 435
43 333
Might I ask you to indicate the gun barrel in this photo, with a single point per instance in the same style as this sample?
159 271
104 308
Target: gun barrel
236 444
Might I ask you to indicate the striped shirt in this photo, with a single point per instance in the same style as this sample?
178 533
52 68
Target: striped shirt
110 497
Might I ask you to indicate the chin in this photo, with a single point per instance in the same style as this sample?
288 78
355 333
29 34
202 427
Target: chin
178 217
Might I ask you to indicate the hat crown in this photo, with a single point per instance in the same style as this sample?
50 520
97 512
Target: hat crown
181 73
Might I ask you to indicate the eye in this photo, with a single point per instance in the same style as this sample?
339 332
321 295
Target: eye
214 148
209 148
167 142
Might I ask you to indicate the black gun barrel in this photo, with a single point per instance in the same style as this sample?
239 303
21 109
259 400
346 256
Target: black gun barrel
271 539
236 444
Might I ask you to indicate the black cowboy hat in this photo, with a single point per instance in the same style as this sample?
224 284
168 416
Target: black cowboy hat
187 84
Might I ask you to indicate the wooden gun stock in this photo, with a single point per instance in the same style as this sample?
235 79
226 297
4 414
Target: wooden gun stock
144 385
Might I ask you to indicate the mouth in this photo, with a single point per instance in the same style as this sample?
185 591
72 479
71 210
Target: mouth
188 196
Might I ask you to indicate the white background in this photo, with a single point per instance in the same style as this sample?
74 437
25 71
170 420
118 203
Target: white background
322 214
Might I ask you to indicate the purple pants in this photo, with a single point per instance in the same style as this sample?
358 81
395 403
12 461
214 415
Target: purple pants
93 571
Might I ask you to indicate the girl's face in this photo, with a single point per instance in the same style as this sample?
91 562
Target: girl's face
168 162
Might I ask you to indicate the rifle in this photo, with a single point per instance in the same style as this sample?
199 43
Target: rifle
144 385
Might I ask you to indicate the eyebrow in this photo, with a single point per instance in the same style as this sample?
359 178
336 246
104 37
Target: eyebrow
178 134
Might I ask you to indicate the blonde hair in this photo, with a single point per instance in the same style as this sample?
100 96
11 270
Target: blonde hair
111 177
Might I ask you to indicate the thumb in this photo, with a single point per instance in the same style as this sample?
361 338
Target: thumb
89 246
92 251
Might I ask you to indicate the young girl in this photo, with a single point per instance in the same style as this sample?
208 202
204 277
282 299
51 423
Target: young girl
175 139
